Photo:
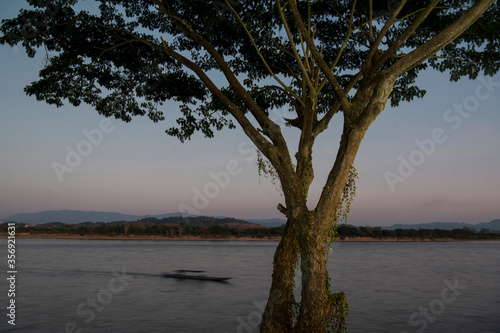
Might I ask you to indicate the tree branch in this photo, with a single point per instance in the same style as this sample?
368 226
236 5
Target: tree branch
406 34
346 105
269 128
383 32
261 142
283 85
305 75
324 122
370 20
432 46
344 43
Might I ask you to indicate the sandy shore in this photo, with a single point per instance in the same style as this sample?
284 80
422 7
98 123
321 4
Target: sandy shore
232 238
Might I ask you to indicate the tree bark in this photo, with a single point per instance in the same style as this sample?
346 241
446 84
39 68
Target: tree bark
306 235
315 301
279 313
313 228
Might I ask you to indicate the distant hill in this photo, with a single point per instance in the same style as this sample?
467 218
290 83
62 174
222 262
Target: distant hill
492 225
192 221
77 216
433 225
269 222
195 221
60 217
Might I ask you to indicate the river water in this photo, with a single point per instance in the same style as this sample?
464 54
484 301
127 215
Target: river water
116 286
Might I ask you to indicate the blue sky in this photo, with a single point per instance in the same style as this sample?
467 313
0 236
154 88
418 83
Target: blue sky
435 159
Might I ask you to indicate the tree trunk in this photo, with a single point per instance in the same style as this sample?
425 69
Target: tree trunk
279 313
315 302
307 233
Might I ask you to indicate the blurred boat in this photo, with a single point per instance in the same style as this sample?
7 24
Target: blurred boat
181 274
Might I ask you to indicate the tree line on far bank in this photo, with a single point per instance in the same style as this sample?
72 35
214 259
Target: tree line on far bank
229 228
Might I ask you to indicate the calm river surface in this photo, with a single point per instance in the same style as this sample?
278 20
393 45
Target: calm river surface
115 286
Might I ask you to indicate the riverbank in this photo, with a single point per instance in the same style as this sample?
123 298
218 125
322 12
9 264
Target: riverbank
143 237
229 238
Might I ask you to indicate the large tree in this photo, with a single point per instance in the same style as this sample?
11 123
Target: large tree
317 58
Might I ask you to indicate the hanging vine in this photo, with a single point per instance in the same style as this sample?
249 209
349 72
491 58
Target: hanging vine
336 322
267 169
337 317
339 309
344 206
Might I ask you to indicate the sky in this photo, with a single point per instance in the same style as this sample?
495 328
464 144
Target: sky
434 159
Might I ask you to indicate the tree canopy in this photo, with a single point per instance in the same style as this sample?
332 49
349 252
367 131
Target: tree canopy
125 58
